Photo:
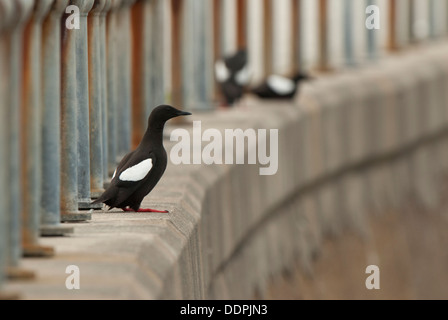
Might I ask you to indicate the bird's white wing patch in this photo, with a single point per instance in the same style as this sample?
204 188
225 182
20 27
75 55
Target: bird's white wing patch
137 172
243 76
222 73
280 84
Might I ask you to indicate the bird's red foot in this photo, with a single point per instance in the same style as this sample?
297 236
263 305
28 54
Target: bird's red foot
145 210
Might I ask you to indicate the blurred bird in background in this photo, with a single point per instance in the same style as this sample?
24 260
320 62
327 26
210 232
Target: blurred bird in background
233 75
279 87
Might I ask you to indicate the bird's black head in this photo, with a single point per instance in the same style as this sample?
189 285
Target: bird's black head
237 61
163 113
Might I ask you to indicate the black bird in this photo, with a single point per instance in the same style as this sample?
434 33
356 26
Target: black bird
279 87
232 74
140 170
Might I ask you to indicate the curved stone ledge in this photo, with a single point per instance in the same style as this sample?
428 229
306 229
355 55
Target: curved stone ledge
353 145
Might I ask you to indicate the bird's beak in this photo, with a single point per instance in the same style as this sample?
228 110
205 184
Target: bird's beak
183 113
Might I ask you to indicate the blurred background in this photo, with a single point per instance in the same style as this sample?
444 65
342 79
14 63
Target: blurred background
363 143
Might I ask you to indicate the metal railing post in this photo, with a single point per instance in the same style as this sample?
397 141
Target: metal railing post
103 82
12 72
51 123
82 78
124 99
112 85
31 128
69 123
144 68
95 102
5 11
348 33
372 50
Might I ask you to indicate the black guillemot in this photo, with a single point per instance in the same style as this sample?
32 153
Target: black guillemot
140 170
279 87
233 75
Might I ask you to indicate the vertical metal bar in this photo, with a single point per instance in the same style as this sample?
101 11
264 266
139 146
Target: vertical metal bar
323 35
432 19
12 42
82 78
156 58
295 25
410 26
95 101
5 11
140 72
112 85
177 7
348 32
267 33
103 54
371 38
51 117
123 49
31 127
69 124
241 14
201 54
392 38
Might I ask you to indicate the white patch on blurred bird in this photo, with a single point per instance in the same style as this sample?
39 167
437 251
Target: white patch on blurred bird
242 77
281 85
222 73
137 172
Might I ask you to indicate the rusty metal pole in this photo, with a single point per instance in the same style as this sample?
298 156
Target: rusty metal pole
82 78
141 66
69 121
31 129
51 119
95 100
323 36
12 72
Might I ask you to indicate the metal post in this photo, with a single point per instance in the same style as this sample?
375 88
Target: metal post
432 19
51 118
112 86
371 38
103 82
323 35
69 124
82 78
5 11
12 72
348 32
204 55
157 54
31 131
95 102
141 68
123 49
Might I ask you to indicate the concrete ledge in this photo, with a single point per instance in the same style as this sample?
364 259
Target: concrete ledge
354 145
